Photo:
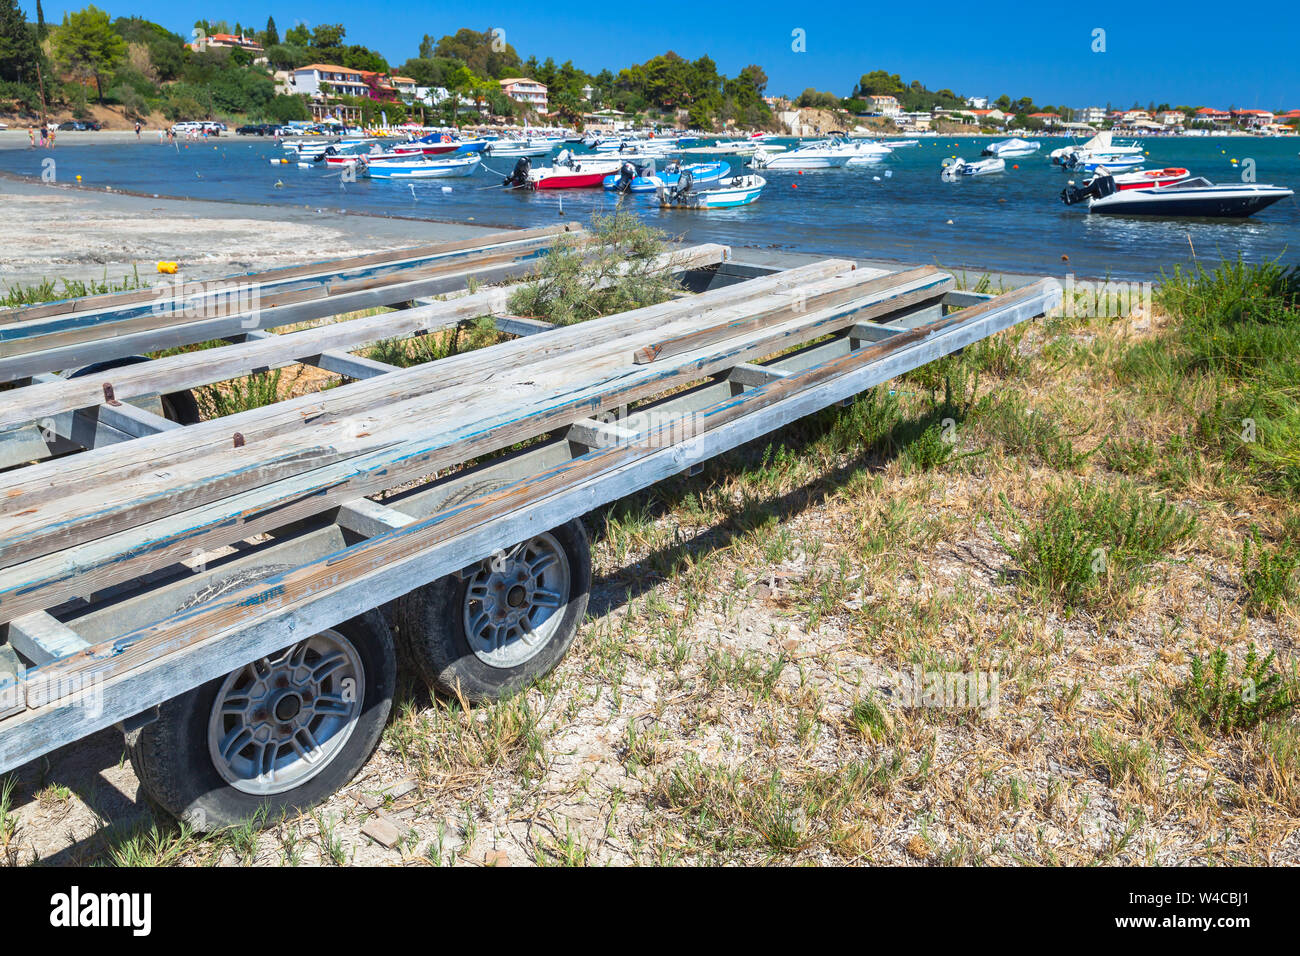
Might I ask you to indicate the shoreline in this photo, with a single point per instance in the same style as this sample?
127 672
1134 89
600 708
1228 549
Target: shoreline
230 223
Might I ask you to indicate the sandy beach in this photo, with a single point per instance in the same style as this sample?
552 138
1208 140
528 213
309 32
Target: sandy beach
62 231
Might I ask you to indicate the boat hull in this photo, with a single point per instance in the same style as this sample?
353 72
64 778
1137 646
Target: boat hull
743 191
1209 204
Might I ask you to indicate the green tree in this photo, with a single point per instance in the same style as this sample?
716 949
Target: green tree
328 36
87 45
18 51
271 35
483 52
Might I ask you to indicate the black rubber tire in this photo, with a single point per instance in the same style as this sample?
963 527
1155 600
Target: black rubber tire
170 756
179 407
431 630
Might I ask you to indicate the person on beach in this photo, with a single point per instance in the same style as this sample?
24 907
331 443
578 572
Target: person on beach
31 138
137 130
42 137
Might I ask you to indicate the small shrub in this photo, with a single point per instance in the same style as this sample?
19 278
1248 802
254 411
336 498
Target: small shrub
1228 702
1267 574
240 395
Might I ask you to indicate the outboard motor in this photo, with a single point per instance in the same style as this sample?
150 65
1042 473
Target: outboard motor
1103 184
685 182
626 173
565 158
519 176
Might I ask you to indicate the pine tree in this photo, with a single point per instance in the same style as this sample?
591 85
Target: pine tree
18 50
272 34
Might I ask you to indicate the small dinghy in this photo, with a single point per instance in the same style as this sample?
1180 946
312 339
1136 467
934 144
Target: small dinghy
955 169
422 168
633 178
738 191
1195 196
1012 147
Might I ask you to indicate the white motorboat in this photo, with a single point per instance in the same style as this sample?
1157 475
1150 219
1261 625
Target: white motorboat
955 169
421 168
821 155
740 191
865 153
1195 196
1007 148
514 148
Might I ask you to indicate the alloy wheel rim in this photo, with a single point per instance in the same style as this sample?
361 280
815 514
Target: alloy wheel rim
282 719
514 601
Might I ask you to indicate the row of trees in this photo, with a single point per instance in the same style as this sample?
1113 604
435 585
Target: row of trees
142 66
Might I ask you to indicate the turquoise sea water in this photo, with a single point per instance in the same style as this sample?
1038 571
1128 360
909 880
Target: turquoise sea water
896 210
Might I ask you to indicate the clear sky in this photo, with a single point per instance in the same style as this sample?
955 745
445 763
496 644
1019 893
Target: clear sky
1185 52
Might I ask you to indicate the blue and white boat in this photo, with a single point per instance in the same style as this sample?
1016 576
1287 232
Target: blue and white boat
423 168
738 191
644 179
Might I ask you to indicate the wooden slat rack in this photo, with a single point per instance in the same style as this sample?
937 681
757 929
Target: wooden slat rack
160 556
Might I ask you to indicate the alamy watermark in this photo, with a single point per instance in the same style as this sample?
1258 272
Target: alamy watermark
1105 299
212 299
949 690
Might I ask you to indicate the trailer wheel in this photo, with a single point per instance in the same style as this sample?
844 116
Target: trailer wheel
276 736
503 623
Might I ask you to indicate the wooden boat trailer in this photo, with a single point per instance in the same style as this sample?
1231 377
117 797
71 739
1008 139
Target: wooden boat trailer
162 557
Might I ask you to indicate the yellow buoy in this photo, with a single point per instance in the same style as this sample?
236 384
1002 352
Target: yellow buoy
78 177
168 268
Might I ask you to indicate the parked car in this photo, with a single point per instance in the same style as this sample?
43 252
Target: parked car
257 129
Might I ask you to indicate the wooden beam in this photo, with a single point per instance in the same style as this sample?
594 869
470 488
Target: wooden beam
518 325
755 375
349 366
41 638
369 518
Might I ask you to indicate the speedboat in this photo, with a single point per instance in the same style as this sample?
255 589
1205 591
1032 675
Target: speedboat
822 155
643 179
955 169
1012 147
739 191
565 172
421 168
1195 196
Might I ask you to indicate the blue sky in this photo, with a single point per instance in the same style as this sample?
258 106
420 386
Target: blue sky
1197 53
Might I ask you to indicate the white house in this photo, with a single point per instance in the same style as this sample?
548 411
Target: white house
342 80
526 91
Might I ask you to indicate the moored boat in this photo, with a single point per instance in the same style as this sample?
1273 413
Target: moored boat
955 169
421 168
738 191
1012 147
643 179
1192 197
565 172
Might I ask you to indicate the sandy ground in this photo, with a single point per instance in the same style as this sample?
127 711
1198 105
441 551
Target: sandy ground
53 232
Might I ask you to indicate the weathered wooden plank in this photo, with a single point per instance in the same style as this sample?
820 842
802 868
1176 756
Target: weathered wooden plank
41 638
44 484
700 338
13 695
266 350
874 332
246 624
594 433
95 564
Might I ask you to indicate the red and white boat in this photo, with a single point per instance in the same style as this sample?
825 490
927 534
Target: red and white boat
567 172
1145 179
